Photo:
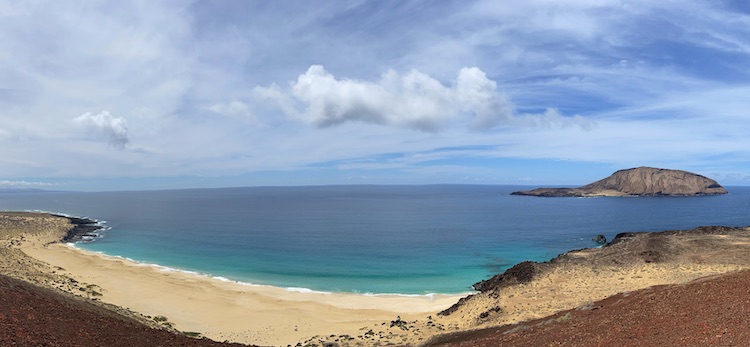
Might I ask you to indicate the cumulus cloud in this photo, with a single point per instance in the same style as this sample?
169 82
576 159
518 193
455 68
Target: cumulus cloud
478 95
114 129
414 100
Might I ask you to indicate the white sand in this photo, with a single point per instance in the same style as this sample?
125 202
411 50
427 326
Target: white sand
223 310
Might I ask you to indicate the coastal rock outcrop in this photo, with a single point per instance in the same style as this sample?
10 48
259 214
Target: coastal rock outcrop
599 239
520 273
84 229
640 181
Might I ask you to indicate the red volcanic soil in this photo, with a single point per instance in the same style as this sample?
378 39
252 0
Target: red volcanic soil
711 311
35 316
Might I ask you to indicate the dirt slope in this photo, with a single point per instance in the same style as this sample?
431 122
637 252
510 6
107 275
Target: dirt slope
713 311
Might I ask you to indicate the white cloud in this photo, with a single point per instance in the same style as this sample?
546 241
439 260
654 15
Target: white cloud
114 129
56 60
477 94
413 100
234 108
552 118
24 184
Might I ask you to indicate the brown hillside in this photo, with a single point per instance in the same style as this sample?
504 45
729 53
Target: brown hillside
713 311
36 316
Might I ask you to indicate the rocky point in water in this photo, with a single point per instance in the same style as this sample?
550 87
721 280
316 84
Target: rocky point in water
640 181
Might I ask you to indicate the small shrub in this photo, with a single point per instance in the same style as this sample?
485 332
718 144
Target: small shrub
517 329
564 318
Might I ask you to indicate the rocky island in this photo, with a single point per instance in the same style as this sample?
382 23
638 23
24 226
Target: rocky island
640 181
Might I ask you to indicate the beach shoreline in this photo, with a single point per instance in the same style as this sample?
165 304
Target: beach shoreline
224 310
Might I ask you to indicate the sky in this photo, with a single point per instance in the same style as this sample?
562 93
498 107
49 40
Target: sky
129 95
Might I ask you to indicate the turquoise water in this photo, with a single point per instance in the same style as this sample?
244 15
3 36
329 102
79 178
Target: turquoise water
366 239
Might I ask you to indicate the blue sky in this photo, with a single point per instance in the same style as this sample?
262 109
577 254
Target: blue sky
119 95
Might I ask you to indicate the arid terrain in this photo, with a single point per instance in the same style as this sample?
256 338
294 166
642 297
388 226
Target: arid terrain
712 311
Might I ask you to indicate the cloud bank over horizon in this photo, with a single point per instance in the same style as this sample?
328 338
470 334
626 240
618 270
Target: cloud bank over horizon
211 93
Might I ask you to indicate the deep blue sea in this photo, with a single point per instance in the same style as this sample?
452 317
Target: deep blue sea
366 239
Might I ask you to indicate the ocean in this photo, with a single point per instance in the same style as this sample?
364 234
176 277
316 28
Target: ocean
365 239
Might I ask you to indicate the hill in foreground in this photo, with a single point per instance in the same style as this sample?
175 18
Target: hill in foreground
34 316
632 261
640 181
712 311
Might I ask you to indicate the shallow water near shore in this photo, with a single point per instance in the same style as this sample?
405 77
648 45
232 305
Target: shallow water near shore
366 239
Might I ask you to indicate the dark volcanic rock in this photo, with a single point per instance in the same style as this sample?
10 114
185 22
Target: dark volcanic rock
82 228
641 181
553 192
600 239
520 273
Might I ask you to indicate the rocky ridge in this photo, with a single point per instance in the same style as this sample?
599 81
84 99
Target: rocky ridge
640 181
631 261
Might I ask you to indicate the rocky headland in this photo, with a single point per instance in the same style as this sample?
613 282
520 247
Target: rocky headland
640 181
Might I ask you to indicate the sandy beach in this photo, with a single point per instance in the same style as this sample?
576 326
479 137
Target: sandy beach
228 311
225 310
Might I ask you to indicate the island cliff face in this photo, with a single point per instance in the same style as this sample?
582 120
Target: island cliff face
640 181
